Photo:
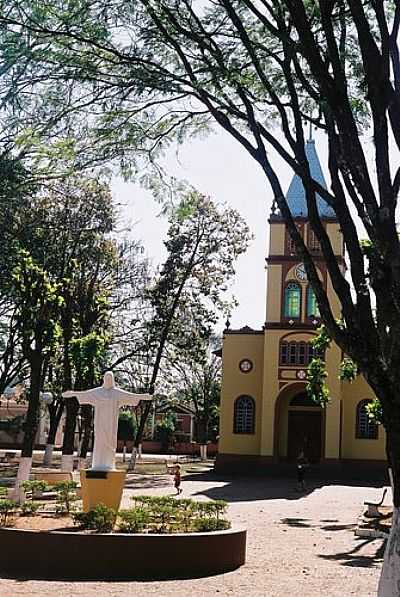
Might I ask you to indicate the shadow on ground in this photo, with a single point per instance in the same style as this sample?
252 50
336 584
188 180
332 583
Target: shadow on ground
245 489
375 551
135 481
306 523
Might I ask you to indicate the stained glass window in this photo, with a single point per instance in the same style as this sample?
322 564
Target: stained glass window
312 305
292 300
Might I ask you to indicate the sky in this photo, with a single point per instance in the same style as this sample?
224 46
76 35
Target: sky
219 167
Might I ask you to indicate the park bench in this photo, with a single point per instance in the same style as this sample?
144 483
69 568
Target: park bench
372 507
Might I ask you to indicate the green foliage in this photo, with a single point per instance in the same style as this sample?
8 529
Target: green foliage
126 426
374 411
367 247
322 341
66 496
316 385
16 188
29 508
214 508
35 486
167 514
165 429
134 520
88 353
348 370
101 519
38 302
207 525
7 509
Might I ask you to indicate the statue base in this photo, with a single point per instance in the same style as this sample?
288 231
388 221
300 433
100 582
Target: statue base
101 487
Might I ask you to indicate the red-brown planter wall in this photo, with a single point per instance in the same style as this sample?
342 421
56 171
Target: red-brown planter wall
51 555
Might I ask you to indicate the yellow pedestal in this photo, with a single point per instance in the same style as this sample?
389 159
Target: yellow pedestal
102 487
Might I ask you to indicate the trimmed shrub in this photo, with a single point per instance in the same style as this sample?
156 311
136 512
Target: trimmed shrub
66 496
29 508
100 519
35 487
134 520
7 509
207 524
167 514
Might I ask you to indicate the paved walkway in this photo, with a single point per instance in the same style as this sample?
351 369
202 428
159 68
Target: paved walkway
298 545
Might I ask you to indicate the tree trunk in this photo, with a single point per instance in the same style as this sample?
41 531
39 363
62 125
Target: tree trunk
55 418
87 424
71 404
48 454
203 451
67 459
139 434
31 426
132 461
389 583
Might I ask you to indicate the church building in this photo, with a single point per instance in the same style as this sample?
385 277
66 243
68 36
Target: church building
266 416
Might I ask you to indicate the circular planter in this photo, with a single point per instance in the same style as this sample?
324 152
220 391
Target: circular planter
75 555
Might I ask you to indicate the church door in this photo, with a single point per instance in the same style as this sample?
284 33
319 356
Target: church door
304 429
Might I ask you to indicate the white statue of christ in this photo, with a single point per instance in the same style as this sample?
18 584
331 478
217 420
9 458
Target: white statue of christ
106 400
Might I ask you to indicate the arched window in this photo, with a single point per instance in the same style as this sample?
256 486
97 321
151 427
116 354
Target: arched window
244 415
312 305
365 428
292 300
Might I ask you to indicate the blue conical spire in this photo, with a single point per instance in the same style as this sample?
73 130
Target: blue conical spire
296 195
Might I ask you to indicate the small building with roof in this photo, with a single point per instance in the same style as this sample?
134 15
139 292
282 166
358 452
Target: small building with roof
266 417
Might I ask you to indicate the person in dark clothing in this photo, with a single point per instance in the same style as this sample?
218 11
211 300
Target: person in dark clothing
177 479
302 464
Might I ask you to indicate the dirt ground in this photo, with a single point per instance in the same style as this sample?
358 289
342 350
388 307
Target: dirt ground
298 544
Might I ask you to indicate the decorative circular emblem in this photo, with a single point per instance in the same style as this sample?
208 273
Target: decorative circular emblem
245 365
301 374
300 272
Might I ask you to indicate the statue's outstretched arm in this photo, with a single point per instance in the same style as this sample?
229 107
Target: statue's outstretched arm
84 397
129 399
71 393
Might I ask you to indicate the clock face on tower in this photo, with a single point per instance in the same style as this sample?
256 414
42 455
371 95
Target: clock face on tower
300 272
245 365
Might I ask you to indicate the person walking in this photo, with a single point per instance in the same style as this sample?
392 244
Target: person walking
177 479
302 464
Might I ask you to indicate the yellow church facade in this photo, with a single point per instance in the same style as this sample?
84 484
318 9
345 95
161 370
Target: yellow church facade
266 417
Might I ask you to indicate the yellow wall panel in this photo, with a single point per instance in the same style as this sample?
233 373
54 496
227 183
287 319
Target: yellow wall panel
352 447
234 384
